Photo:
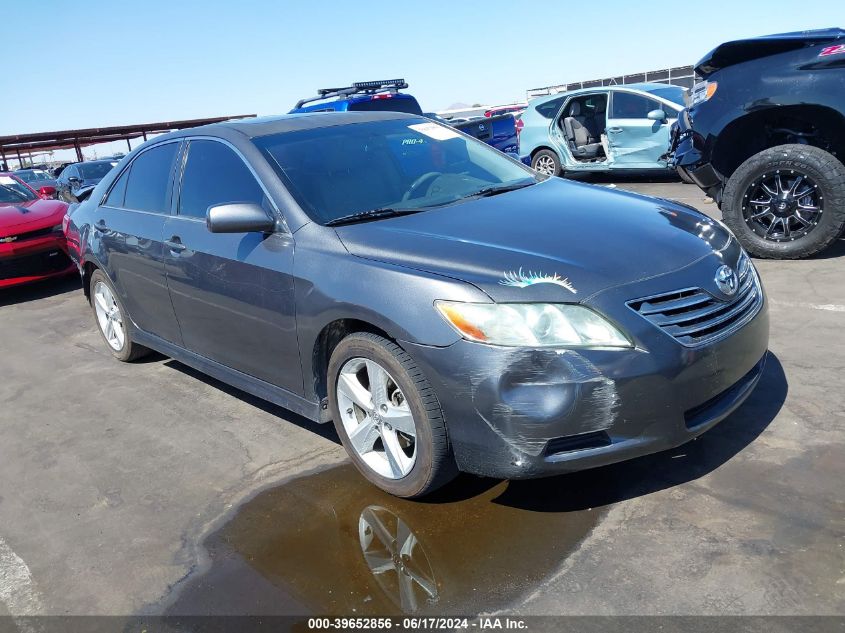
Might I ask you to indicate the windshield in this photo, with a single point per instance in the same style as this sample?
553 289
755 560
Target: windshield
14 191
33 175
675 94
93 171
405 164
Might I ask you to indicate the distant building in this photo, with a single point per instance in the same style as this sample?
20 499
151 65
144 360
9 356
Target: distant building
683 76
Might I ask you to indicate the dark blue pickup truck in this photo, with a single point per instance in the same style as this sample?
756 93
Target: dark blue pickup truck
374 96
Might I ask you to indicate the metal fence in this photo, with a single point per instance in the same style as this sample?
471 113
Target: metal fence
683 76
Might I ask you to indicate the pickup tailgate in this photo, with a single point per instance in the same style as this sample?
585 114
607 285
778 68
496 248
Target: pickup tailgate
497 131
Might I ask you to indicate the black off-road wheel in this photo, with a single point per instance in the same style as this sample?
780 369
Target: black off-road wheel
112 321
546 162
388 417
786 202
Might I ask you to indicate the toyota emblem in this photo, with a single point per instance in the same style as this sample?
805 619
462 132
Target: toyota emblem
726 280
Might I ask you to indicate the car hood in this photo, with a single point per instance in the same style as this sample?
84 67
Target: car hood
555 241
739 51
30 216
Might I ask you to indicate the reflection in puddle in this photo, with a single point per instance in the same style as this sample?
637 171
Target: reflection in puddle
330 543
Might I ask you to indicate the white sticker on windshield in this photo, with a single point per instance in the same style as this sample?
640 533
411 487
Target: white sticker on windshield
6 180
435 131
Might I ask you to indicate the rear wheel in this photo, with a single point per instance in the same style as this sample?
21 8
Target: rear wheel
388 417
546 162
786 202
111 320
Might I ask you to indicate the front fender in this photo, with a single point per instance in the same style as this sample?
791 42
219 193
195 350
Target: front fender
332 285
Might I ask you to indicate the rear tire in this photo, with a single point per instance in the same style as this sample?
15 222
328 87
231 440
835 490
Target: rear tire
823 176
433 464
112 321
546 162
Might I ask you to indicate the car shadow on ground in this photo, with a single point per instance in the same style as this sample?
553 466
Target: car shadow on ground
623 177
39 290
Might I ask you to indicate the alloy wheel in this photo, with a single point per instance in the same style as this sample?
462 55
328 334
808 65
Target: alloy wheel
545 165
782 206
108 316
377 418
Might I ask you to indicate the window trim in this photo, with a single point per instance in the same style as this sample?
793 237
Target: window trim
128 167
281 224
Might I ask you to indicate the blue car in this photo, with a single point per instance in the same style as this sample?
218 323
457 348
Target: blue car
600 129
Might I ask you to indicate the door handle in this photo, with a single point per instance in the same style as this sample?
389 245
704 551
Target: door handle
175 244
101 226
614 130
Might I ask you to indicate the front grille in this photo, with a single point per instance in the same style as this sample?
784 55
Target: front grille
694 316
34 265
34 234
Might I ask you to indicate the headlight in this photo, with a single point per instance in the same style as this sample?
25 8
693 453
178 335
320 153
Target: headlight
702 91
58 229
531 324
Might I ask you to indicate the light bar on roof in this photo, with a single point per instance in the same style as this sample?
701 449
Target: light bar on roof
373 85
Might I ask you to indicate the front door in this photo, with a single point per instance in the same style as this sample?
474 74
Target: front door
232 292
634 140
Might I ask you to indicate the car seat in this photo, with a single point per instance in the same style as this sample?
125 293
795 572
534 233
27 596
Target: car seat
581 142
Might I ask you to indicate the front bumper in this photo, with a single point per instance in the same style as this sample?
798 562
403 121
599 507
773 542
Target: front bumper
516 413
688 150
35 259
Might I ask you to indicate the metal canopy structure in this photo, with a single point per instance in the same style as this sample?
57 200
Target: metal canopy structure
20 145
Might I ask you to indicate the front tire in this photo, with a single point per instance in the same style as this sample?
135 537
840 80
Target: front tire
684 176
546 162
388 417
786 202
112 321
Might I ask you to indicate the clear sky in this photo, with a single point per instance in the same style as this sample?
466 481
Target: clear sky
72 64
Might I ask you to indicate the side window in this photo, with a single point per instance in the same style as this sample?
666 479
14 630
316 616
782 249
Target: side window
214 174
118 191
146 188
627 105
549 108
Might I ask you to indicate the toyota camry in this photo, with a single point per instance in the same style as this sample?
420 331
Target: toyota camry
446 307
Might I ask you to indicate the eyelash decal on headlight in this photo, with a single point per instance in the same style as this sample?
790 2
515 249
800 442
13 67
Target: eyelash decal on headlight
521 279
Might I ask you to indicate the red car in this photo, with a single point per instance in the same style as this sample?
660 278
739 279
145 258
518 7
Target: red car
32 245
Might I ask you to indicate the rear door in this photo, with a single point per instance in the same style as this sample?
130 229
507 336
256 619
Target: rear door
634 140
232 292
129 227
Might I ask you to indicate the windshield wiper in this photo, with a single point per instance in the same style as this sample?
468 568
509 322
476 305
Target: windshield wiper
15 192
370 214
497 189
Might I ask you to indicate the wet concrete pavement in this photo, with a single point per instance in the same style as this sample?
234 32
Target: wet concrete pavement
148 488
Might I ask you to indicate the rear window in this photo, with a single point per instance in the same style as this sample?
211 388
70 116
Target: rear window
92 171
550 108
406 104
149 177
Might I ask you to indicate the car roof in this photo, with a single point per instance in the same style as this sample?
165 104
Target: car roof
641 87
263 126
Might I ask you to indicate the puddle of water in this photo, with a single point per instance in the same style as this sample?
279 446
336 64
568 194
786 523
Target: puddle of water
330 543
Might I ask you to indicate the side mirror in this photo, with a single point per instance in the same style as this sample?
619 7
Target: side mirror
47 192
657 115
73 180
239 217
